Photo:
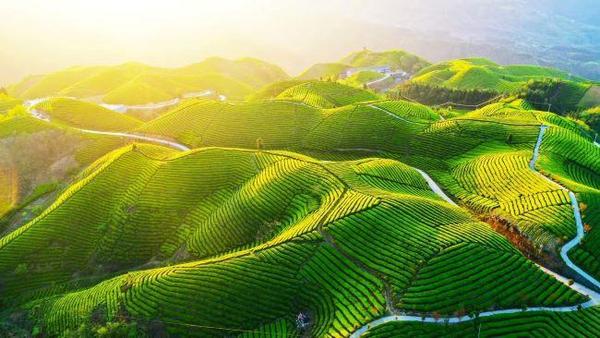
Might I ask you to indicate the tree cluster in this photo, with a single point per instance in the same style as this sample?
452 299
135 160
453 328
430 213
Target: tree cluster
546 95
437 95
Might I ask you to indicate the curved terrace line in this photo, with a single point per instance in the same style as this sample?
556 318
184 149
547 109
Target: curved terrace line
593 295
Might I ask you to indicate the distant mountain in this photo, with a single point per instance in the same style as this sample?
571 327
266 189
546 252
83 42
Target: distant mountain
395 59
136 83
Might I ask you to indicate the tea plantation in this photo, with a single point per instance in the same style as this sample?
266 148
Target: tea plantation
279 207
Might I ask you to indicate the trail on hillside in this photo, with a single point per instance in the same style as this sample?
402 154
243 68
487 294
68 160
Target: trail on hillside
435 187
593 295
148 138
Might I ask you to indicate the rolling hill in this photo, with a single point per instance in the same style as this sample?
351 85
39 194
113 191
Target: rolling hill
135 83
293 220
85 115
395 59
300 208
479 73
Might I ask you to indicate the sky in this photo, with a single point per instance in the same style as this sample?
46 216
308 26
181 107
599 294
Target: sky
40 36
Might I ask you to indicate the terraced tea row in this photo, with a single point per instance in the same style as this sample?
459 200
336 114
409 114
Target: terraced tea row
306 254
85 115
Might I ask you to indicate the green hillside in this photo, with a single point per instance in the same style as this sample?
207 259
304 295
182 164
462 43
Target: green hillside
7 103
85 115
325 94
271 91
477 73
396 59
134 83
296 226
276 207
323 71
361 78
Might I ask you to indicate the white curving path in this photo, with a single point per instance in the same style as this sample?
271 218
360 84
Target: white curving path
123 108
536 149
594 297
153 139
435 187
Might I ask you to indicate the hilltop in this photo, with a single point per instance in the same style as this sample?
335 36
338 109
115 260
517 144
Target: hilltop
136 83
366 66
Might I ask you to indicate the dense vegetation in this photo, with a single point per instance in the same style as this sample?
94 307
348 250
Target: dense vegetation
439 95
554 95
298 211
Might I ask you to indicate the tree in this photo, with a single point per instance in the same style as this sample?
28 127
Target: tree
259 143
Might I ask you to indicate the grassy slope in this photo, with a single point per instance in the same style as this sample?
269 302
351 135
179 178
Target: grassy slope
323 71
85 115
7 103
325 94
361 78
297 226
460 152
476 73
135 83
396 59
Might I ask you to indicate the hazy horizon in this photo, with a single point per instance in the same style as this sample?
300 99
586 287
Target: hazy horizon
41 37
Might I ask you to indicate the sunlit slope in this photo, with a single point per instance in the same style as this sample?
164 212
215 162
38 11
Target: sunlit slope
280 233
492 175
361 78
325 94
482 158
53 83
271 124
271 91
254 72
7 103
395 59
38 156
323 71
575 162
477 73
85 115
135 83
282 124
